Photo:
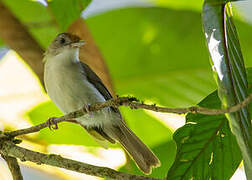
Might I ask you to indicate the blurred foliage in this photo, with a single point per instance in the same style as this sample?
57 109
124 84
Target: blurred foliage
74 9
182 4
144 41
155 50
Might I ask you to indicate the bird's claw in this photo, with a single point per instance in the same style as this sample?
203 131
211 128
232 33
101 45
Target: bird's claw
87 108
52 124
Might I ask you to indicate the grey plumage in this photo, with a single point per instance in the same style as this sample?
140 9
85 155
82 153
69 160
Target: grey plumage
71 84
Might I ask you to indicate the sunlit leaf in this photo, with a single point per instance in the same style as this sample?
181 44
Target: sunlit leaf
229 70
181 4
206 147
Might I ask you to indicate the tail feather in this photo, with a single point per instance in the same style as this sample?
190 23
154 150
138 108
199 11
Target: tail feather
143 156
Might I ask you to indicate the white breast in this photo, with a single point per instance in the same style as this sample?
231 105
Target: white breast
70 90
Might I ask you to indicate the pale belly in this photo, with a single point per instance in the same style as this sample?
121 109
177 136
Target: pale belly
70 91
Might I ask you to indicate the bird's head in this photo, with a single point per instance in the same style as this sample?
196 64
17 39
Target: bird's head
64 42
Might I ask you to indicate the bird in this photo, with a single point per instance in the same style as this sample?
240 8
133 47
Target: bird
72 84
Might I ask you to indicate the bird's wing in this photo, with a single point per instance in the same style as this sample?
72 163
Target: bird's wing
98 133
97 83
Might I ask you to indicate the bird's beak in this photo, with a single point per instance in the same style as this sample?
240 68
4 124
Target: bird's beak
78 44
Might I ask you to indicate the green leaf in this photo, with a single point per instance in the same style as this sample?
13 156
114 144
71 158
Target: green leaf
229 72
65 11
155 49
181 4
1 43
144 41
206 147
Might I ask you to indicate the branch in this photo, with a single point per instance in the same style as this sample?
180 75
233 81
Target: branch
14 167
8 148
131 102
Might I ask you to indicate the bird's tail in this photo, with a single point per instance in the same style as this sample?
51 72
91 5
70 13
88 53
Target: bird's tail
143 156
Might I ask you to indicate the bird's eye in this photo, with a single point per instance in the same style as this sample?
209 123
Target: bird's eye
62 40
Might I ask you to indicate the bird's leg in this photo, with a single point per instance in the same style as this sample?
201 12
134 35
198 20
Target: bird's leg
52 124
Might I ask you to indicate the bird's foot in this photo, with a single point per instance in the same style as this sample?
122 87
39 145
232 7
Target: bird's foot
52 124
87 108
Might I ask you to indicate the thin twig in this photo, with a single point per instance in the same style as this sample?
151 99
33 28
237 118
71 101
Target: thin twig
133 103
8 148
14 167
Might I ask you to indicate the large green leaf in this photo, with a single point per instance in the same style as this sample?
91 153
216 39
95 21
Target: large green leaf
229 71
144 41
154 56
206 147
65 11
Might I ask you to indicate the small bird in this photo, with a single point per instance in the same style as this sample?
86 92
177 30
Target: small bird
71 85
